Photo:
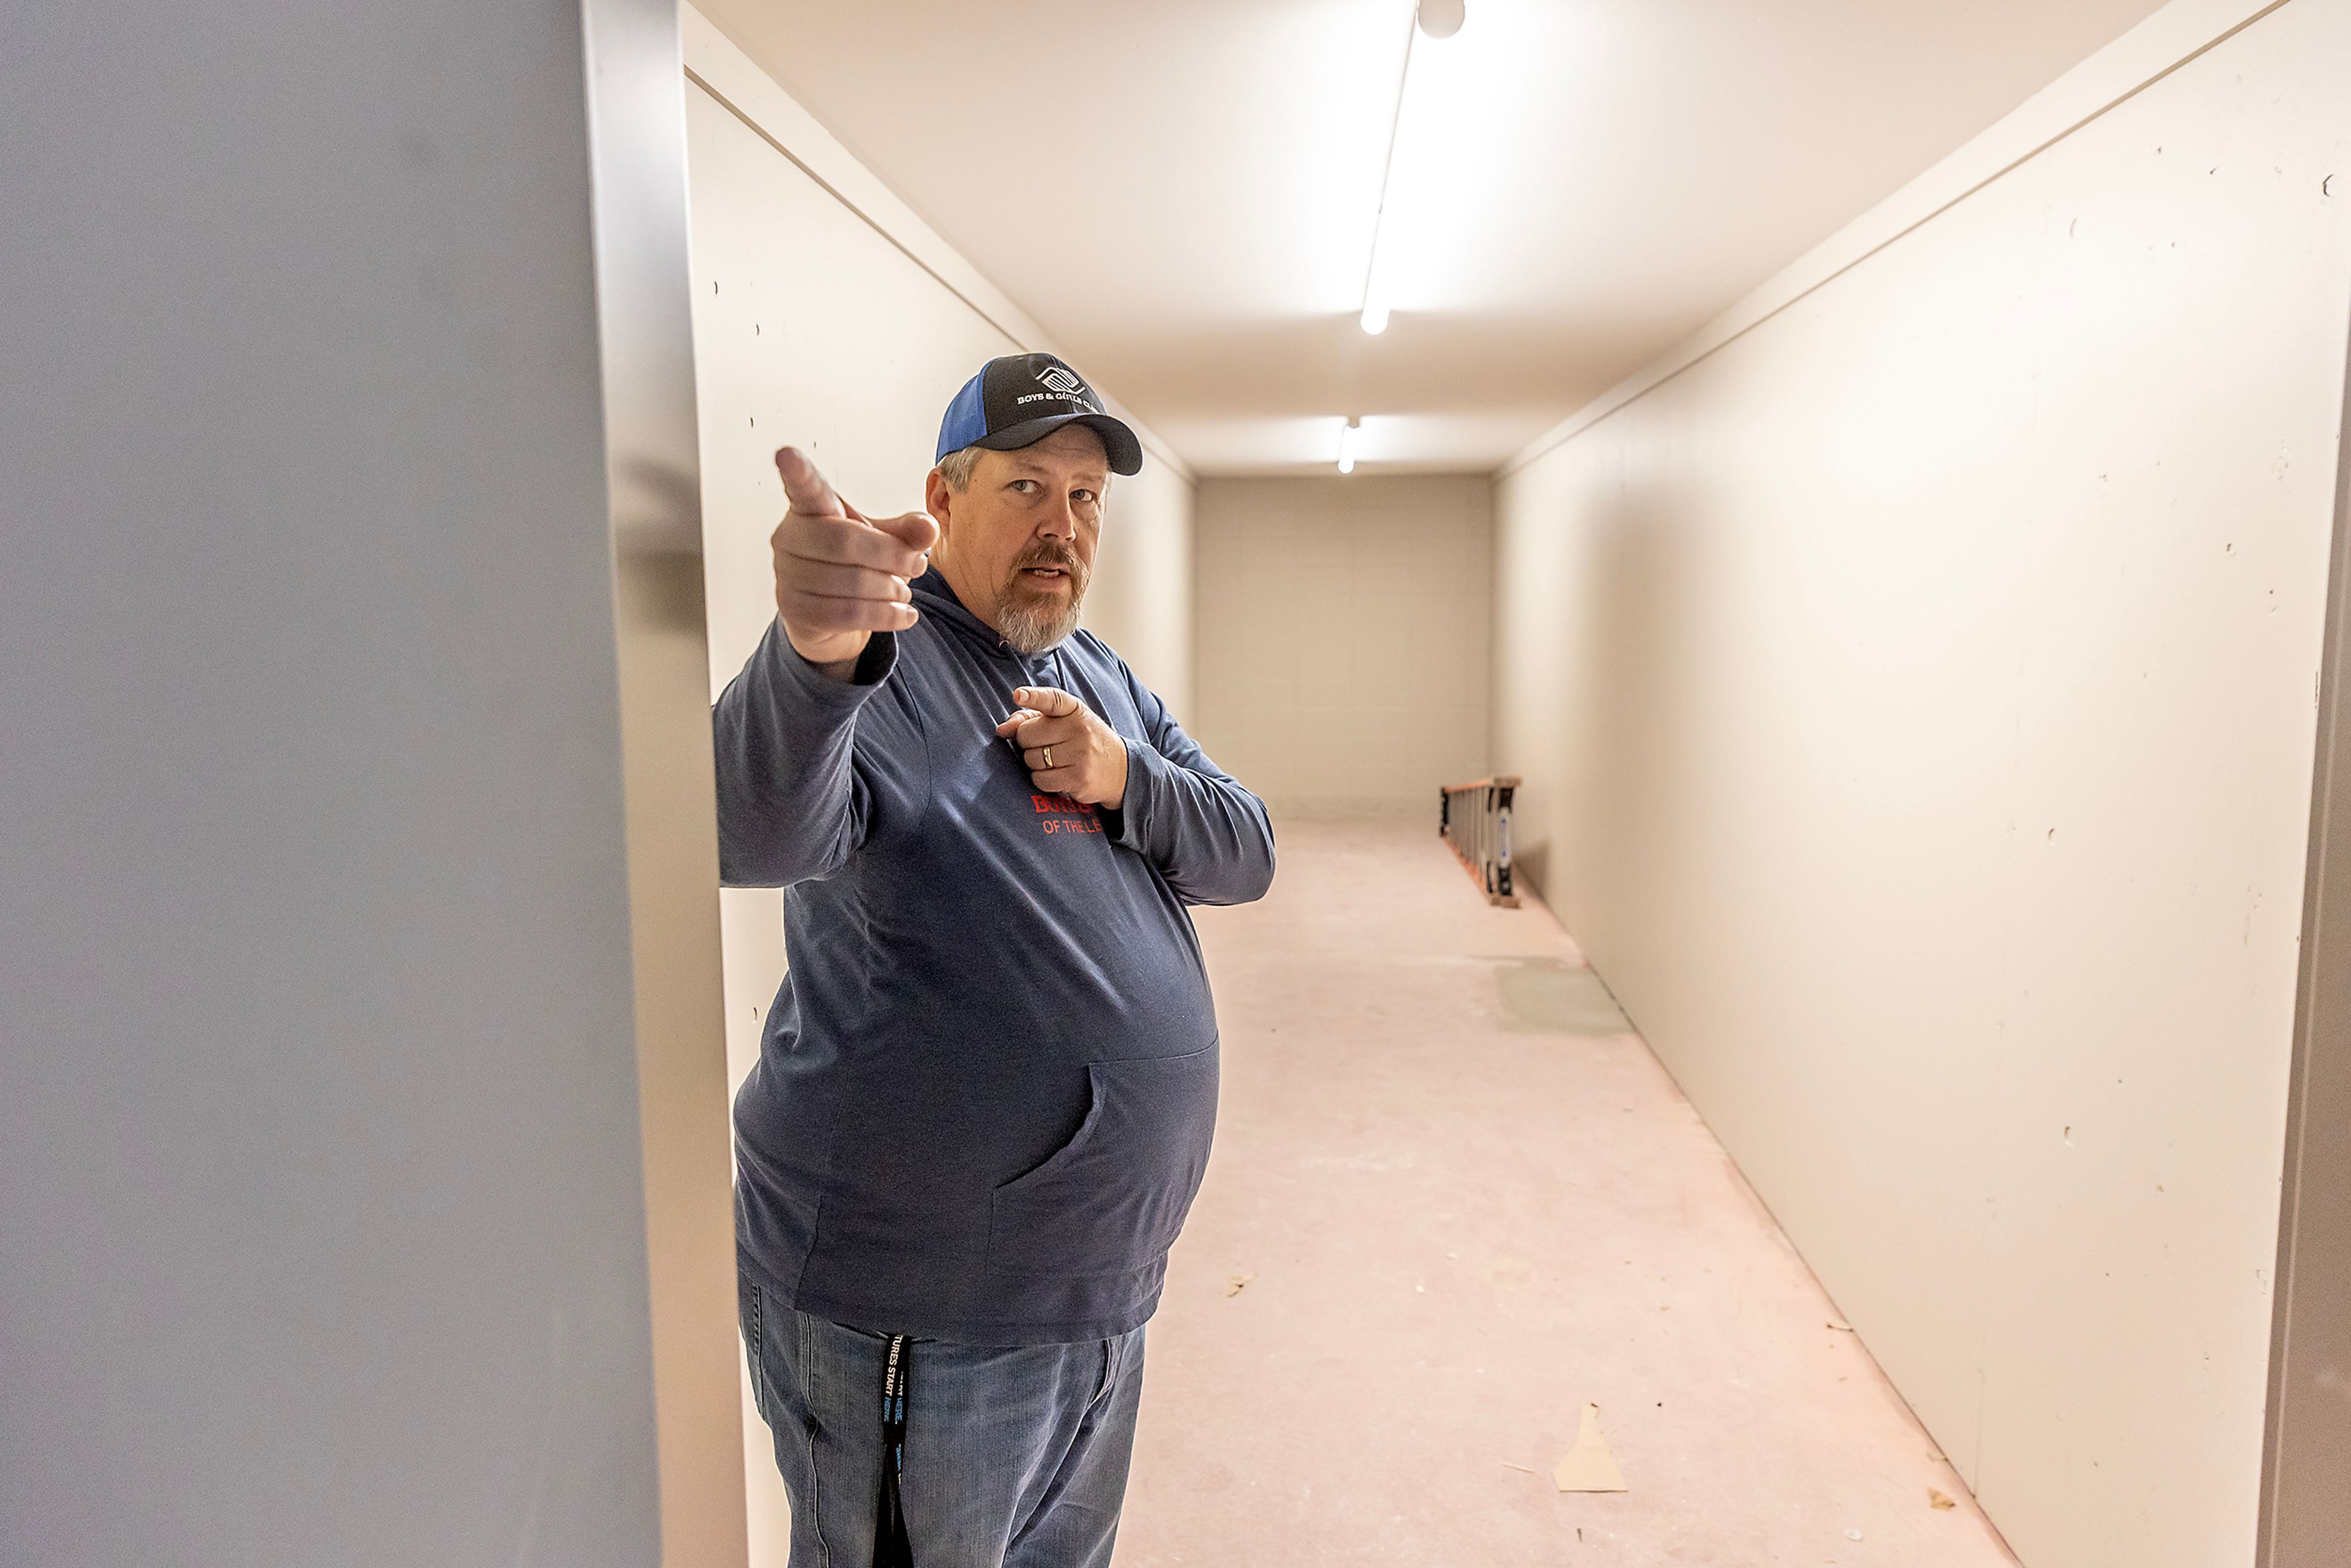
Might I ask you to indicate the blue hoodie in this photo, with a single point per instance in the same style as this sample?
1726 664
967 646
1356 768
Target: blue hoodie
986 1093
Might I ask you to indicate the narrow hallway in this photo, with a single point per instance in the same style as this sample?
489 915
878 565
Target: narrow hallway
617 620
1453 1200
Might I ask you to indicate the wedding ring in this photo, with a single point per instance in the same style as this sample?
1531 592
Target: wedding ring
1048 756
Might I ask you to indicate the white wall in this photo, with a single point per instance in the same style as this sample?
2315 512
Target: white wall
817 327
1344 629
1141 597
1914 686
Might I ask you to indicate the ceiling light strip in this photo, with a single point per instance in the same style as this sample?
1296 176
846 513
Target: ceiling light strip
1375 298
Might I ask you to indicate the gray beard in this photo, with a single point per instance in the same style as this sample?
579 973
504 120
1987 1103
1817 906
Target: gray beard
1033 626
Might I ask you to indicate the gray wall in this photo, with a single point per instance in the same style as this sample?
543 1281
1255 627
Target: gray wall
1345 624
322 1229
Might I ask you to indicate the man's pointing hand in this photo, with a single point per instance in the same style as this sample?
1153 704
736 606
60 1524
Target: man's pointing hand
1066 748
840 576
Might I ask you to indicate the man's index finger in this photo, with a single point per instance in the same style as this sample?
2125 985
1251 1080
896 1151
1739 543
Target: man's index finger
1050 701
804 489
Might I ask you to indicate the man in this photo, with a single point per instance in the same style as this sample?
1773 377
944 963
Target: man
985 1094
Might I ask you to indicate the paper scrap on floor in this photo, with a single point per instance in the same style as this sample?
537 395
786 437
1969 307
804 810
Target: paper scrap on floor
1589 1466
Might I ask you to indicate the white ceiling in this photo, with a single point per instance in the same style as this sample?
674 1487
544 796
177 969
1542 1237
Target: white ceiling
1182 193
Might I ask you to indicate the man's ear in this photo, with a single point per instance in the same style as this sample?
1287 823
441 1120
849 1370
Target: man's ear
939 499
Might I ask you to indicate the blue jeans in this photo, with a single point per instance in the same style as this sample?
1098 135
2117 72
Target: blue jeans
1016 1456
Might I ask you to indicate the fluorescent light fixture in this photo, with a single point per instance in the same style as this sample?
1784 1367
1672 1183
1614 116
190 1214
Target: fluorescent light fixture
1347 434
1437 19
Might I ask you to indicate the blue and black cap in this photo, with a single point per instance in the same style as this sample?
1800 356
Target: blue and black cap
1017 400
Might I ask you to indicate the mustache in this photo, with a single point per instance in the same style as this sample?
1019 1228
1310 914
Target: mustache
1051 553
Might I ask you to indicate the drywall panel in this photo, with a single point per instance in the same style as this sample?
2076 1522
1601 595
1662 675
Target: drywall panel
1343 629
2307 1513
645 293
1916 701
816 328
1141 599
322 1233
810 329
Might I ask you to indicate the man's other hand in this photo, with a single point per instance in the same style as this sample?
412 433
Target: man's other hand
1067 750
840 576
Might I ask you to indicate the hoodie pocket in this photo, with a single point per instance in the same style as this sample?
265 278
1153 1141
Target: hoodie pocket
1110 1200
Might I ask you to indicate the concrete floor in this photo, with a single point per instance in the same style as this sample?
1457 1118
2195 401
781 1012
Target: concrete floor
1459 1201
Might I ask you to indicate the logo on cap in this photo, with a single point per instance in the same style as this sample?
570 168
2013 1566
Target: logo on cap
1059 383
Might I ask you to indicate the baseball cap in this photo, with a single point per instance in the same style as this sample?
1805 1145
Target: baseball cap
1017 400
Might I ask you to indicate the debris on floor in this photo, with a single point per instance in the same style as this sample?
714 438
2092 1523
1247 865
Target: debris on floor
1234 1286
1528 1468
1840 1325
1936 1498
1589 1466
